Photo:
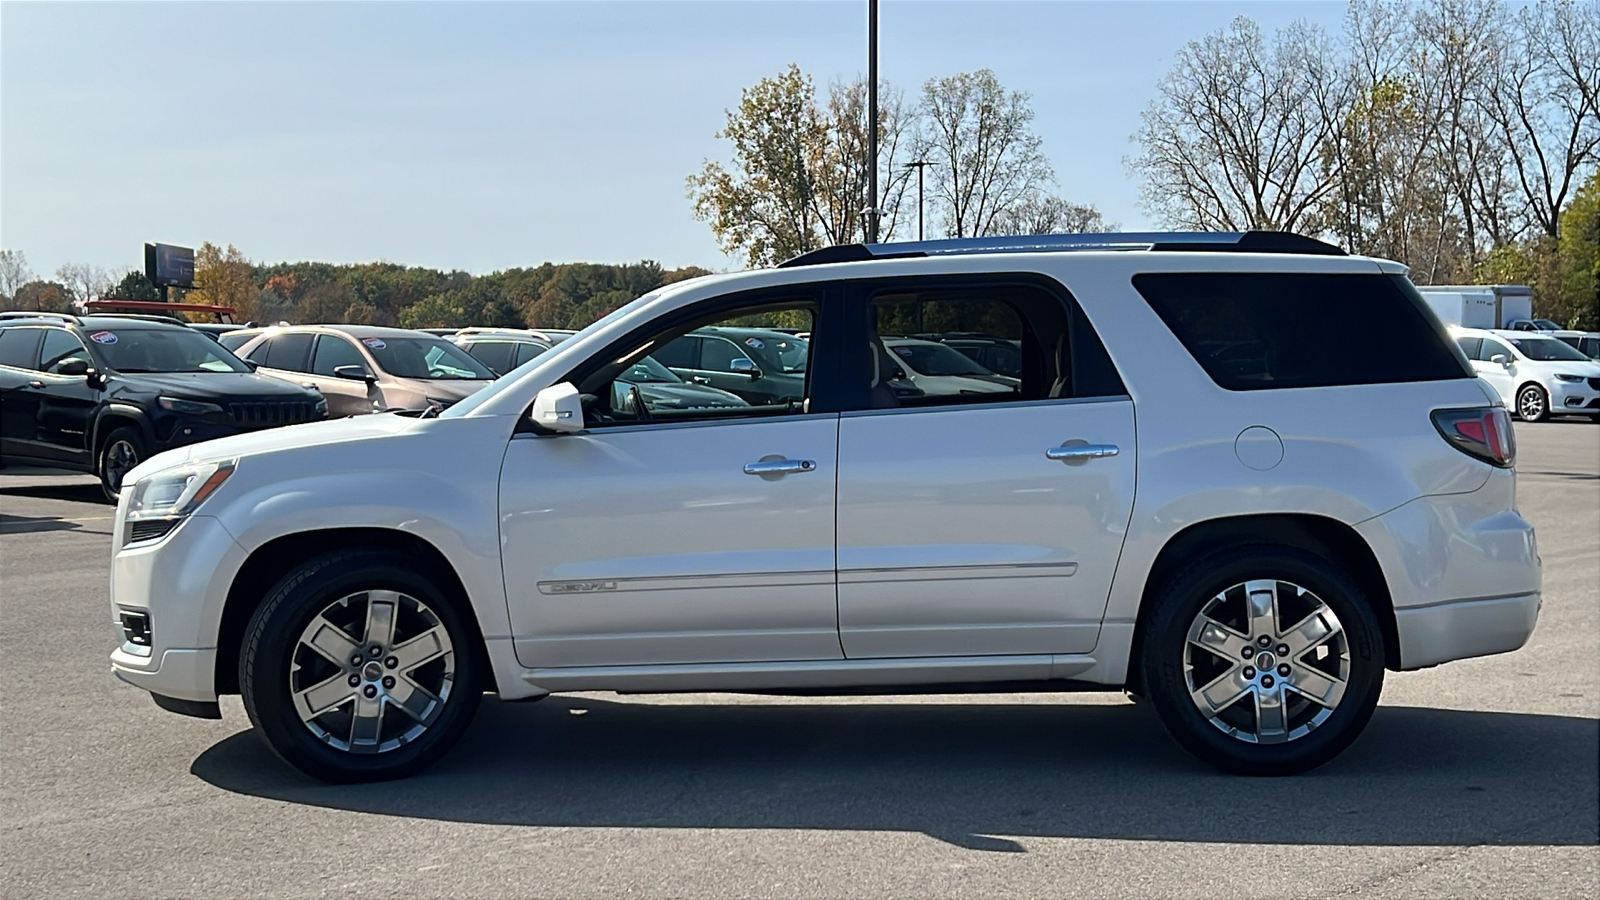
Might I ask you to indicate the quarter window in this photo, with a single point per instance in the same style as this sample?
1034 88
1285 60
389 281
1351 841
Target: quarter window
1263 330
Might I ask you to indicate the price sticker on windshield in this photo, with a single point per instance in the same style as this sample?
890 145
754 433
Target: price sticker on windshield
103 337
374 343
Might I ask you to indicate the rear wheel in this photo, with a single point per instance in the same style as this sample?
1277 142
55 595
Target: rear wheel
359 667
1263 660
122 450
1533 405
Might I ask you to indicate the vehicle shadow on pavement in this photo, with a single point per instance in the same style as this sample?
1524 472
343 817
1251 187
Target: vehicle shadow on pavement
970 774
76 492
31 524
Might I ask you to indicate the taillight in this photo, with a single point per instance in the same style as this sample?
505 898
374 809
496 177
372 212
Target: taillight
1484 433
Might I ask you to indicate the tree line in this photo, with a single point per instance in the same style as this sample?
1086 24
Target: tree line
1460 137
567 295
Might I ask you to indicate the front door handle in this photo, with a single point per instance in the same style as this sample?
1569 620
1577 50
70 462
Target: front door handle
775 466
36 384
1076 453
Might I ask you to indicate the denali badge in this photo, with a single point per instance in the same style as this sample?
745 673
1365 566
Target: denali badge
576 587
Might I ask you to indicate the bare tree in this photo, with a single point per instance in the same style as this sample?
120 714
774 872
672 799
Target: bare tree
1544 98
14 273
1048 214
842 169
1234 138
987 157
85 282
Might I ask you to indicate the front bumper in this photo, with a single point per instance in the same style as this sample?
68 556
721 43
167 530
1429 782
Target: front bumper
181 584
1465 628
1568 396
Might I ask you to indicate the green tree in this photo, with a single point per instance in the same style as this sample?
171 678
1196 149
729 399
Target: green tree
134 286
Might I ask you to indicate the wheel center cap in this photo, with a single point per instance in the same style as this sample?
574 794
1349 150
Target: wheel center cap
1264 661
372 671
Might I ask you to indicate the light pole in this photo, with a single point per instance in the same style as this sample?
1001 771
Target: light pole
919 165
872 120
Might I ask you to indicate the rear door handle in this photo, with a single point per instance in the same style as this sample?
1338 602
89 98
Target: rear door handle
780 466
1076 453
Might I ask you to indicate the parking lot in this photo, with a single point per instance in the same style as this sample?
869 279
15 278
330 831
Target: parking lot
1478 778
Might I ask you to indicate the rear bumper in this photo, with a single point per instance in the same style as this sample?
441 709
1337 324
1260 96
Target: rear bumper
1464 628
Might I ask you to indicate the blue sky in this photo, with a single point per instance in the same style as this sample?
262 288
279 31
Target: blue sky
481 136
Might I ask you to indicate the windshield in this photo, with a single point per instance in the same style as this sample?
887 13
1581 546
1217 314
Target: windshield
428 358
1546 325
1545 349
937 359
648 371
163 350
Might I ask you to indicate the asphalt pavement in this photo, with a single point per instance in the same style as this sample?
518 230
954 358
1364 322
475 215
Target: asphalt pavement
1475 779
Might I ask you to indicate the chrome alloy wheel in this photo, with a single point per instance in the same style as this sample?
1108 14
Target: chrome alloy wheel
372 671
1266 661
1530 404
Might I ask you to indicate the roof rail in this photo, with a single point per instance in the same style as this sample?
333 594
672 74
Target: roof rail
146 317
1203 242
24 314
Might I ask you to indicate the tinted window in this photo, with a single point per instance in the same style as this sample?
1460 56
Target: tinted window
497 355
683 353
233 340
526 352
1260 330
60 345
17 347
285 351
163 350
718 354
1470 346
333 352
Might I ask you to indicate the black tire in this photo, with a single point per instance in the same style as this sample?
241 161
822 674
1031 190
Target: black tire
110 462
1533 404
273 654
1166 655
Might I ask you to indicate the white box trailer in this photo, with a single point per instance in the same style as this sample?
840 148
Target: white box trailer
1479 305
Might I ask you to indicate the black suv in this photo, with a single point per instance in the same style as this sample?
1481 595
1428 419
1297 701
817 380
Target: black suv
100 394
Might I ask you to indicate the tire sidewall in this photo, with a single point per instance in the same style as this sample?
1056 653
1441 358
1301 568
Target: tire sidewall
1163 659
1544 403
135 440
274 633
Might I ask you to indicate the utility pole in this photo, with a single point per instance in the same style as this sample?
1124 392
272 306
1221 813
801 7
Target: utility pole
919 165
872 121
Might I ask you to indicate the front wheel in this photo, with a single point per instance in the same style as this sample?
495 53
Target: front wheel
359 667
1532 404
1263 660
123 449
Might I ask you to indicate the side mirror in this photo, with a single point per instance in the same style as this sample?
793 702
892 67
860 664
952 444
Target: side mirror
1500 359
744 367
72 366
558 409
354 373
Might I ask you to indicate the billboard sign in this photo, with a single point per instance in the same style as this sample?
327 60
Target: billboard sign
166 265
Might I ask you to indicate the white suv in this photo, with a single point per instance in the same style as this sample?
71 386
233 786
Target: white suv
1190 495
1536 375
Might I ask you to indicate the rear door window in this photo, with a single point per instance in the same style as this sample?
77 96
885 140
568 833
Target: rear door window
1263 330
18 347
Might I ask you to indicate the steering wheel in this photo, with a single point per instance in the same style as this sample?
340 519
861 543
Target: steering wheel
438 373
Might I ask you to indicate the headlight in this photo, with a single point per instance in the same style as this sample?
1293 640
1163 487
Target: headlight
160 501
1570 379
188 407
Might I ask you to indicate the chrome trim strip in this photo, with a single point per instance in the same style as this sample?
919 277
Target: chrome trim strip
968 407
687 582
957 573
